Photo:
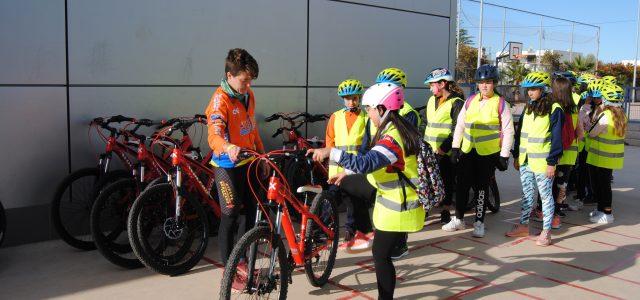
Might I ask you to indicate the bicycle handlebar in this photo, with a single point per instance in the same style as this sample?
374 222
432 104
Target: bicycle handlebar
307 118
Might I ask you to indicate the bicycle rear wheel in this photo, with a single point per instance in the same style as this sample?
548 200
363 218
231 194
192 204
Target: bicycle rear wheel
109 223
320 250
257 253
162 243
494 196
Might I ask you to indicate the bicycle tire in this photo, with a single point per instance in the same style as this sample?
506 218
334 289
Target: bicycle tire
242 246
109 223
494 196
79 236
145 217
315 236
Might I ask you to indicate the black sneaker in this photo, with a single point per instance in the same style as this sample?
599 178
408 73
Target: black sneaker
445 216
399 252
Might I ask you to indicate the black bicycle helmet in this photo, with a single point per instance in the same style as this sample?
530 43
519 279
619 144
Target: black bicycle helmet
485 72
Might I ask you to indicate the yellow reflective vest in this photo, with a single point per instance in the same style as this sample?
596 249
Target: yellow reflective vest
570 155
347 140
482 126
439 122
607 149
392 211
535 140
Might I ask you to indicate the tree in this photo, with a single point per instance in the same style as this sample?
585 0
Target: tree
465 38
466 63
622 72
582 64
515 72
551 62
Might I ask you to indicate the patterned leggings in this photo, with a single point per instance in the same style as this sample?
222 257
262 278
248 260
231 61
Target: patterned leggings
529 182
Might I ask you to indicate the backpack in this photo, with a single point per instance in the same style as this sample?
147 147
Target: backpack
568 131
430 187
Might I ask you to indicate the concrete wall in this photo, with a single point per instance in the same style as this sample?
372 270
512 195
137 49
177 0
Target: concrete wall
65 62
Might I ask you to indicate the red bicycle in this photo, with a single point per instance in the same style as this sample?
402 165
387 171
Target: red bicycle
111 208
260 258
167 224
74 196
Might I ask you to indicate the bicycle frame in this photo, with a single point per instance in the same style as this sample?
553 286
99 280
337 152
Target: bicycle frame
283 220
183 164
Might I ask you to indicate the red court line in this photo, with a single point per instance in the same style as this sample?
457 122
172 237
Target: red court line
616 246
467 291
486 283
213 262
594 272
372 269
568 284
612 268
603 230
531 273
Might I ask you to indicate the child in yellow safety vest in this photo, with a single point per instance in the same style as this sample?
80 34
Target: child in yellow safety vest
344 131
606 149
397 209
441 115
482 140
536 153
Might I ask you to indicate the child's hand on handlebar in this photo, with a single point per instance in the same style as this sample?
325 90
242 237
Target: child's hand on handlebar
233 151
319 154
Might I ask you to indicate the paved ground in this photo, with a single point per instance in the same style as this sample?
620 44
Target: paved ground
586 262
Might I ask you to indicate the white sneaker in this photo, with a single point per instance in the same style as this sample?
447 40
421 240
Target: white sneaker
478 229
602 218
576 205
453 225
593 213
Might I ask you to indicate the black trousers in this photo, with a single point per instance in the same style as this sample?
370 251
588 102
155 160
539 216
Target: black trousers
448 173
474 170
357 190
601 184
238 207
383 244
583 184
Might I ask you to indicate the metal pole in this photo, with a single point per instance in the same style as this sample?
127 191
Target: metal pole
635 62
457 32
504 27
597 46
480 34
573 28
540 34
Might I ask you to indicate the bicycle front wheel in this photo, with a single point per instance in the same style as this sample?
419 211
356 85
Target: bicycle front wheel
257 267
162 242
109 223
321 250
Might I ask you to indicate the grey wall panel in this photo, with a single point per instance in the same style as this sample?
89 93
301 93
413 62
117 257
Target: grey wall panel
32 42
355 40
437 7
33 122
162 103
184 42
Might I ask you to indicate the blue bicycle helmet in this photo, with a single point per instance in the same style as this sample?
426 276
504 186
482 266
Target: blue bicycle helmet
438 74
486 72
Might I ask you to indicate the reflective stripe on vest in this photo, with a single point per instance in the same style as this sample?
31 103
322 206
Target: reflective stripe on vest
439 122
607 149
392 212
346 140
570 155
482 126
535 140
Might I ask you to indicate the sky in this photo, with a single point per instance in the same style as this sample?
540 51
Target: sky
616 18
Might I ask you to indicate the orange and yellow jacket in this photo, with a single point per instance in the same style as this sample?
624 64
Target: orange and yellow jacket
229 122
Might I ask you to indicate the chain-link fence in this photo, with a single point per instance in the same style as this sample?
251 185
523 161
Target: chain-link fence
632 103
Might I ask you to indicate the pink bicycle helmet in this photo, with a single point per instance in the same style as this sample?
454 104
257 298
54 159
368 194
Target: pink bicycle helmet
388 95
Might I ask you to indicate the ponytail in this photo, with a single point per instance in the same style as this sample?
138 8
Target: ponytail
619 120
408 133
454 89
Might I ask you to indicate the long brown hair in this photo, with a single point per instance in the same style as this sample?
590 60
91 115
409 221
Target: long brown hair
454 89
408 133
561 94
541 106
619 119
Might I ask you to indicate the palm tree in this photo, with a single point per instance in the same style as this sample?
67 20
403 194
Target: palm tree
515 72
582 64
